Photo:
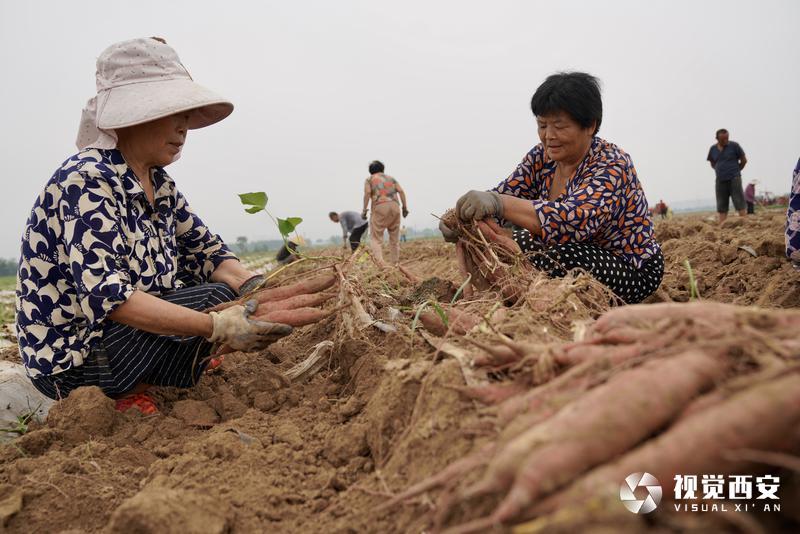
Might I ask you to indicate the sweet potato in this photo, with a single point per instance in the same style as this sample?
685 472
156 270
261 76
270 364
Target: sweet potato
491 393
601 424
299 301
296 317
459 321
763 417
462 269
271 294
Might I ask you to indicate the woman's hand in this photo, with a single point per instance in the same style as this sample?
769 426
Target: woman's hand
477 205
494 233
234 328
448 233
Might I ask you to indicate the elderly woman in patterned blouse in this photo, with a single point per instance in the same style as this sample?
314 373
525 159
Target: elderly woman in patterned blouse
115 266
575 198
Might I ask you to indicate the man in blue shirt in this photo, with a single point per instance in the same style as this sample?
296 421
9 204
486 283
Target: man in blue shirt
727 159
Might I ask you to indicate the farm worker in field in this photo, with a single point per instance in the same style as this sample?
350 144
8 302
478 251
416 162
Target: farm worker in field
403 234
661 209
353 227
383 191
575 198
727 159
793 220
115 266
750 197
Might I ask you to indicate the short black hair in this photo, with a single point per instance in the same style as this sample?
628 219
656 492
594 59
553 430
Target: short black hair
333 214
720 131
576 93
375 167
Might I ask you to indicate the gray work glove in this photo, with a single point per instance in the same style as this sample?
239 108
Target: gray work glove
233 327
448 234
477 205
251 284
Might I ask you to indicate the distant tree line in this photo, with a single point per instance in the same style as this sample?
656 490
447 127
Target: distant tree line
244 246
8 267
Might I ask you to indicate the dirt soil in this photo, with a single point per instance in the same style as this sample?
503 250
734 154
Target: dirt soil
246 452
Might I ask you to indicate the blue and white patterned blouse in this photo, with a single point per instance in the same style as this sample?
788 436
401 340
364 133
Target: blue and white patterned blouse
793 220
92 239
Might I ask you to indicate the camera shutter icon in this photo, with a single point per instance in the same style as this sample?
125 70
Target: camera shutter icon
640 480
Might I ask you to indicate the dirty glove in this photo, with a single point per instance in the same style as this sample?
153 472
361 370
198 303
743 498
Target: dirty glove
405 212
251 284
477 205
448 234
233 327
364 214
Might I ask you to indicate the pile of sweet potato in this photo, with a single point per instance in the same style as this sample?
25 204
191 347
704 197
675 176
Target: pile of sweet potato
663 388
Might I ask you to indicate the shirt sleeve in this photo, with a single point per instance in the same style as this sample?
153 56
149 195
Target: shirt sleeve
739 151
344 227
710 156
586 209
95 245
793 221
199 250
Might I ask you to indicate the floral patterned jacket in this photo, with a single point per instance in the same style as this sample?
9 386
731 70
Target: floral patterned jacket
92 238
604 202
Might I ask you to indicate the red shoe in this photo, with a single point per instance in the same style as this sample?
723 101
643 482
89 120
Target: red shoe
141 401
214 362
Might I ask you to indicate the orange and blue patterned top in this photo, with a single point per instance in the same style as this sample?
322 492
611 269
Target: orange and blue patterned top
383 188
603 203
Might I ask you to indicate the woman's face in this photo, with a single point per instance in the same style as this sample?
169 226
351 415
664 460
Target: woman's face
564 139
158 142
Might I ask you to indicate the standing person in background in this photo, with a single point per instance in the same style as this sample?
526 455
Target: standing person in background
727 159
383 190
661 209
403 234
793 220
353 225
750 196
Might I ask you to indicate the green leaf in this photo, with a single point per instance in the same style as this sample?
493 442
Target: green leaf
257 201
461 289
287 226
439 311
414 322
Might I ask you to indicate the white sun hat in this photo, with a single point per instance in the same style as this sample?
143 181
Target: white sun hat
139 81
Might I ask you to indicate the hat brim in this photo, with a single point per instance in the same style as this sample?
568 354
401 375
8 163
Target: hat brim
138 103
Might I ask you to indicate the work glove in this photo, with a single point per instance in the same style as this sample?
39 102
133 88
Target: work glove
477 205
251 284
405 212
364 214
233 327
448 234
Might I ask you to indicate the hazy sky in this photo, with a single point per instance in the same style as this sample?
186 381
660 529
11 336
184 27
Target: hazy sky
439 91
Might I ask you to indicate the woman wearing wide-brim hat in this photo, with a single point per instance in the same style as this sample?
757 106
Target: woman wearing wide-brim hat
115 267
